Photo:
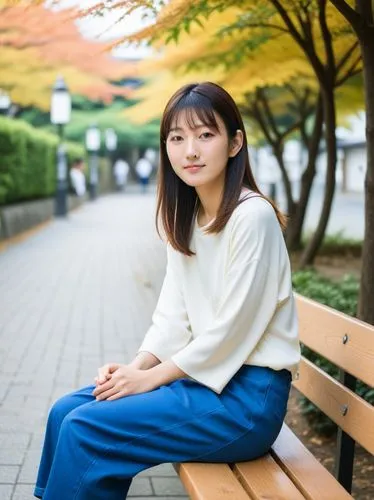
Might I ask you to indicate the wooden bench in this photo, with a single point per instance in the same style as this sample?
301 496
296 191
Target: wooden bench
290 471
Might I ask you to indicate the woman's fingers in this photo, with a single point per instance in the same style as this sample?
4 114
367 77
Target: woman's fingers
107 394
111 390
118 395
101 388
110 382
105 372
112 367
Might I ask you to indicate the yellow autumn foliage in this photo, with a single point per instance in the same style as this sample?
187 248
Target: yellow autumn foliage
269 66
274 63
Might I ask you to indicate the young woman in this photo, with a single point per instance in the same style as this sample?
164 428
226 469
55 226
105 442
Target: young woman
212 377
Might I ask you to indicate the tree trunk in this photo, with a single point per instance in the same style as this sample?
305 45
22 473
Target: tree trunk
329 113
296 223
278 153
366 301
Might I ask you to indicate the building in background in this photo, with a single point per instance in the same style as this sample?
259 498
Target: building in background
350 168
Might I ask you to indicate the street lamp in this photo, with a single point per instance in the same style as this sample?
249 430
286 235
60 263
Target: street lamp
60 116
93 141
111 146
5 102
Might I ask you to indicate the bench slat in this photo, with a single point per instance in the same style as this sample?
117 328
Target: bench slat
311 478
205 481
331 397
323 328
264 479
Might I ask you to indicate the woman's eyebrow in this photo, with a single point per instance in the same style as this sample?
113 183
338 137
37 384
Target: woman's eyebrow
181 129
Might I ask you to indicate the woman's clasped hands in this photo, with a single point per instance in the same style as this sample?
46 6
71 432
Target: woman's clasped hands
115 381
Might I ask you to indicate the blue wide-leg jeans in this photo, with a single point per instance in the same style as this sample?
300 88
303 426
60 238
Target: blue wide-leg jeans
93 449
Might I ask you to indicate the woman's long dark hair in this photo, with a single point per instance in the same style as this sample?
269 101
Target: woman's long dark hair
177 202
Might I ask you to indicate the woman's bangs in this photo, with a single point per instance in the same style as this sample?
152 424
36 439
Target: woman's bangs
198 110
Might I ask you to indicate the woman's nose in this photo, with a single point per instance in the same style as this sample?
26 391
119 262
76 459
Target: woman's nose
191 149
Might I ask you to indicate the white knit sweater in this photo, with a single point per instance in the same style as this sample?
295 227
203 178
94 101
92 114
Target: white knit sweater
230 304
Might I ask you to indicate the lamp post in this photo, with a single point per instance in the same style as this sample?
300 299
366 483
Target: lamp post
5 103
93 145
111 146
60 116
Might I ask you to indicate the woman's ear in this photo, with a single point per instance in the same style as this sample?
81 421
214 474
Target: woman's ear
236 144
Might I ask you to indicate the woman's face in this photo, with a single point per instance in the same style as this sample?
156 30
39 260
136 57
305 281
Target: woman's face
199 155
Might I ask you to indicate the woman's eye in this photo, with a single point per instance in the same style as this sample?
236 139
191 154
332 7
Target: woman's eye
176 138
206 135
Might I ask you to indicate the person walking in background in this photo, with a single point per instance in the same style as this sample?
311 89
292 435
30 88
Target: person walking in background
211 379
121 171
151 155
143 169
77 177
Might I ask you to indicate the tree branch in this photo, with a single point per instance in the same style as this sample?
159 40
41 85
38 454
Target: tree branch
268 25
351 72
306 45
346 56
305 98
365 9
292 91
326 35
304 135
288 22
353 17
300 100
268 113
291 128
307 24
260 120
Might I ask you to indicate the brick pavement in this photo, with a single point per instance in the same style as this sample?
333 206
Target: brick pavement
77 294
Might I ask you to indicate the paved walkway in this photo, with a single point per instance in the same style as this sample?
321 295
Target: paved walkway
77 294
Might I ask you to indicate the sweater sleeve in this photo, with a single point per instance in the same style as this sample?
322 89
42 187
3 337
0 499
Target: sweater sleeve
170 330
247 305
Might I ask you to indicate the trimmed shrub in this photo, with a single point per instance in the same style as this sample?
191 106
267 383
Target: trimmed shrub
338 244
28 161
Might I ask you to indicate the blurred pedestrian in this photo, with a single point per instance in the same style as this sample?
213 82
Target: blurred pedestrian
151 155
77 177
143 170
121 171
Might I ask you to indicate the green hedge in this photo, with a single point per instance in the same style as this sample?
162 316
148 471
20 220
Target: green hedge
28 161
342 296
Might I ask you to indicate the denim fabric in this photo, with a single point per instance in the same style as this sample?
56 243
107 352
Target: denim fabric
93 449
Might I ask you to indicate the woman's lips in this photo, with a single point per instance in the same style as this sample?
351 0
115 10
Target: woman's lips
193 168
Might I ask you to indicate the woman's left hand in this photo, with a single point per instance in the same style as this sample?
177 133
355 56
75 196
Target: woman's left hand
125 380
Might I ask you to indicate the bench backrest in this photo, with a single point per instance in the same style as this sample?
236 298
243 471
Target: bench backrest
349 344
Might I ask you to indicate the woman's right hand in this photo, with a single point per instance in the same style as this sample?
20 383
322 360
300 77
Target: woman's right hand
105 373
